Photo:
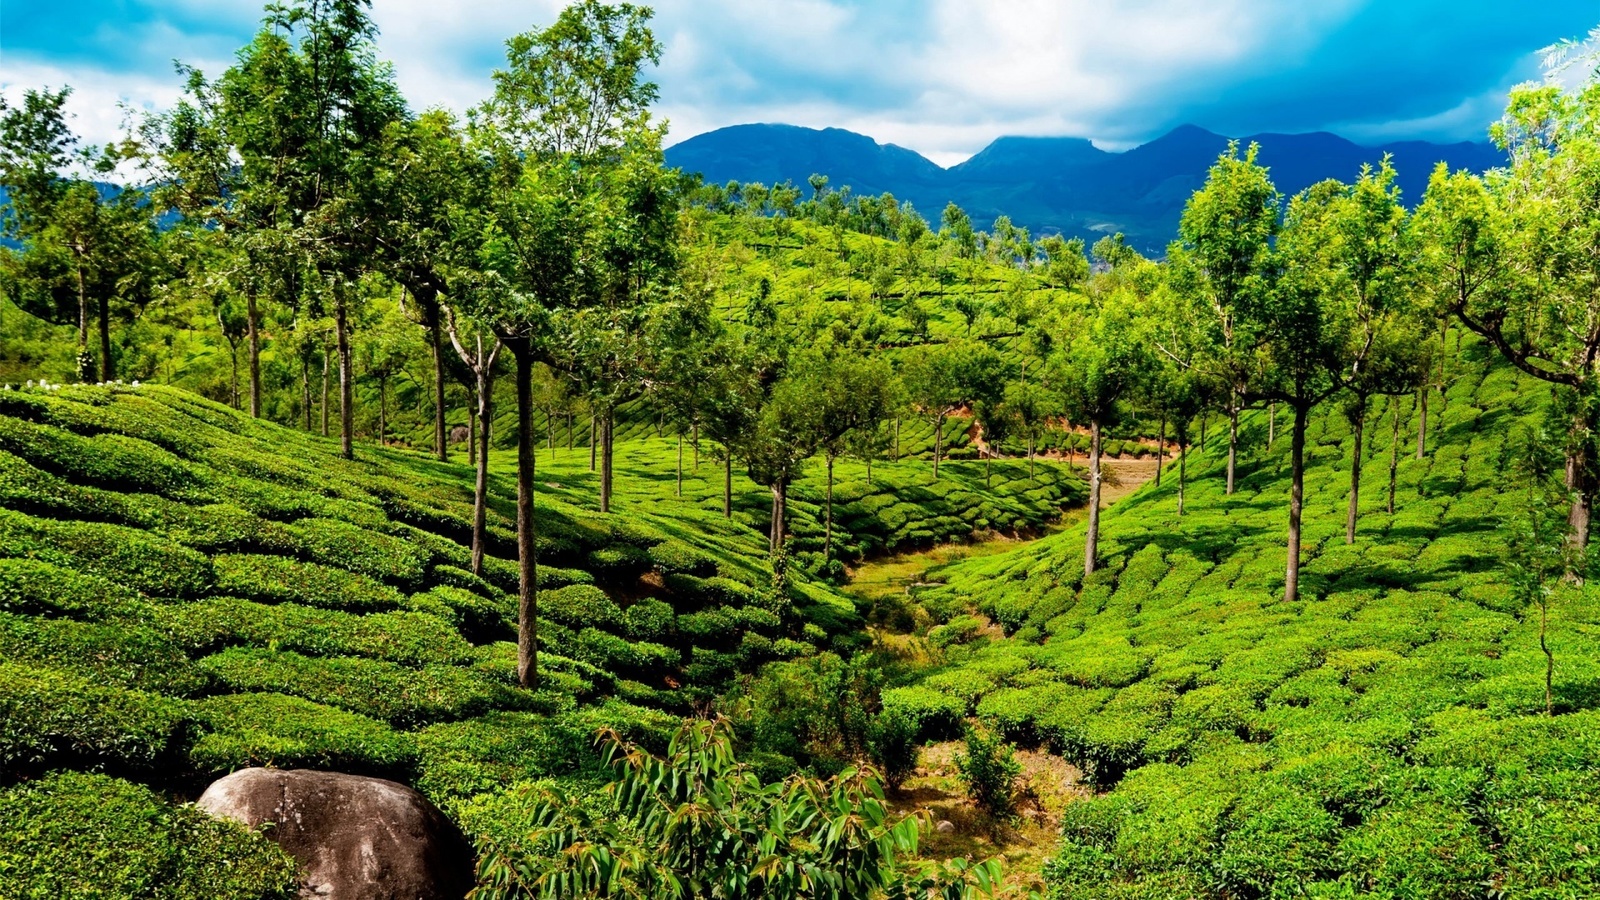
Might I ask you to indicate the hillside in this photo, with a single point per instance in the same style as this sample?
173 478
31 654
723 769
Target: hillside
185 591
1382 737
1056 184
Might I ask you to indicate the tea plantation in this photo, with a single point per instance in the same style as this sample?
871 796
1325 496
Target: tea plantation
1385 736
185 591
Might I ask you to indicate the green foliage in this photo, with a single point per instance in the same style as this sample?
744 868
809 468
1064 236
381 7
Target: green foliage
893 745
698 820
989 770
239 730
53 718
74 836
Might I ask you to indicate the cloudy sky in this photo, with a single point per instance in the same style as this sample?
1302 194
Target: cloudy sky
943 77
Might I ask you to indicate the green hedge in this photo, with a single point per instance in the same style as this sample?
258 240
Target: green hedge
277 578
408 638
49 718
403 696
128 556
241 730
581 606
124 653
74 836
32 587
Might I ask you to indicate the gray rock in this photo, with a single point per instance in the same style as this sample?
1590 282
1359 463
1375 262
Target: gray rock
945 826
354 838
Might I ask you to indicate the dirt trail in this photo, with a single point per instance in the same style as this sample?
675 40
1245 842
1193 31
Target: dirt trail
1122 477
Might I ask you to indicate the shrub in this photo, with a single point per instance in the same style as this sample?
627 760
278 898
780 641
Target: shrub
133 558
678 558
278 578
893 745
989 769
355 549
382 690
619 563
240 730
32 587
49 718
936 716
460 759
650 620
120 653
73 836
408 638
581 606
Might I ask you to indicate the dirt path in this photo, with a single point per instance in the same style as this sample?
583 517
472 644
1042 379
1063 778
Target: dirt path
1124 476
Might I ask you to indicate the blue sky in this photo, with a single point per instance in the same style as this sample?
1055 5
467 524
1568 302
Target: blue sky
943 77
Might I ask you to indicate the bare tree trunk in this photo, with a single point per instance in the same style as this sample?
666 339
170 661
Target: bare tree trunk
1360 429
305 389
1272 423
591 441
605 460
1577 481
1422 423
108 366
727 483
1183 472
1297 477
441 445
327 368
1161 448
527 571
781 522
252 324
472 436
1394 452
346 387
827 528
1091 544
1233 442
480 493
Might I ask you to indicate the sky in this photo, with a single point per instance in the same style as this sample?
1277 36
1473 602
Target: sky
942 77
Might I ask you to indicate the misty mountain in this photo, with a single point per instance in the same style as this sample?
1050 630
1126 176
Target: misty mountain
1056 184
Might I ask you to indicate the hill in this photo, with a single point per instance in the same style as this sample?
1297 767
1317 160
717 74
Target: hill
185 591
1055 184
1384 736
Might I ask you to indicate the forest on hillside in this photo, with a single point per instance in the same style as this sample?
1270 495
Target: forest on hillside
492 456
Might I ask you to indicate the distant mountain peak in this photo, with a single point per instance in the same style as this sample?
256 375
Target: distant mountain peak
1051 184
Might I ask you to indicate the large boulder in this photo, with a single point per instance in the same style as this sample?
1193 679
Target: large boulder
355 838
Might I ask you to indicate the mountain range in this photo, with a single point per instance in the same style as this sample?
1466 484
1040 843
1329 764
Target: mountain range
1056 184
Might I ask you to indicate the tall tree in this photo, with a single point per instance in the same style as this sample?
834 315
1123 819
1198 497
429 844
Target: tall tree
571 99
1220 261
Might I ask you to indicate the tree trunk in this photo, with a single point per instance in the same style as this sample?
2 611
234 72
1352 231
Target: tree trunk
1091 544
1297 476
1161 448
695 440
680 463
441 445
83 315
1394 452
987 458
233 355
346 388
606 425
327 368
550 434
1030 458
1422 422
1233 443
305 389
827 528
472 435
1577 481
252 326
108 367
482 423
1183 472
727 483
1549 657
527 572
383 412
591 441
896 438
780 503
1272 423
1360 428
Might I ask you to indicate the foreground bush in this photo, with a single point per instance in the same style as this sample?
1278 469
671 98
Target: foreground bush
89 837
698 819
